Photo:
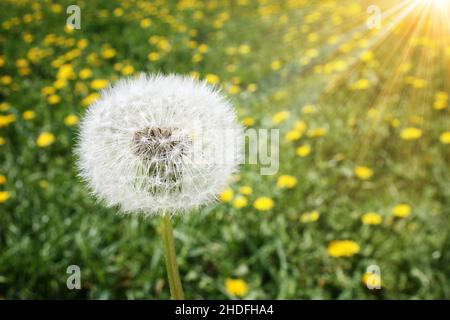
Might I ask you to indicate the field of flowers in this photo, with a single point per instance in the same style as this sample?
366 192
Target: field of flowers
363 182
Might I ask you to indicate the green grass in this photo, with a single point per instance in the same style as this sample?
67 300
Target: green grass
51 221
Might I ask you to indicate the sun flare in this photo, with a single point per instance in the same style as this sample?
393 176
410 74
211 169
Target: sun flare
438 4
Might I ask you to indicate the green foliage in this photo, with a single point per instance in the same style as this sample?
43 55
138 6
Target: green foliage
50 220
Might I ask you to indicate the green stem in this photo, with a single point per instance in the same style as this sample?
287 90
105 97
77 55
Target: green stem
176 289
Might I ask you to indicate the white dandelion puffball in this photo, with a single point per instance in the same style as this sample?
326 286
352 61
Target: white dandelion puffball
159 144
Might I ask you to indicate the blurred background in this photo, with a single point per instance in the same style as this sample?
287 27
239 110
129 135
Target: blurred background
359 91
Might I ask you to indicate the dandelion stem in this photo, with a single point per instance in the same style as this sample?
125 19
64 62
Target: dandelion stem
176 289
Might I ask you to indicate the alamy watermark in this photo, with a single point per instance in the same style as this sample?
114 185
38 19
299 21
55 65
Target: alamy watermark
74 280
374 21
74 20
373 277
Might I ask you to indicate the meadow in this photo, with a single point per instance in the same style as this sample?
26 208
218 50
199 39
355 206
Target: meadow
363 181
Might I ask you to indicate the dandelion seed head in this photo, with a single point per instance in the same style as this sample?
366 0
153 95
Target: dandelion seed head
155 144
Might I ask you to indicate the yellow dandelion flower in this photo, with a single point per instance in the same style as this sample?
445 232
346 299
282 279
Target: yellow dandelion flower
444 138
90 99
118 12
82 43
202 48
22 63
71 120
293 135
317 132
240 202
217 24
252 87
332 39
308 217
98 84
395 123
361 84
48 91
145 23
68 29
312 53
2 141
153 56
7 120
248 121
313 37
2 179
28 115
164 45
286 182
6 80
276 65
60 83
401 210
194 74
371 280
280 117
440 104
226 195
371 218
35 54
127 70
236 287
197 57
192 44
263 204
53 99
43 184
117 66
154 39
212 78
441 95
65 72
405 67
234 89
81 87
342 248
4 106
372 113
367 56
45 139
24 71
300 126
419 83
244 49
410 133
57 63
92 59
303 150
363 173
85 73
4 195
56 8
246 190
309 109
